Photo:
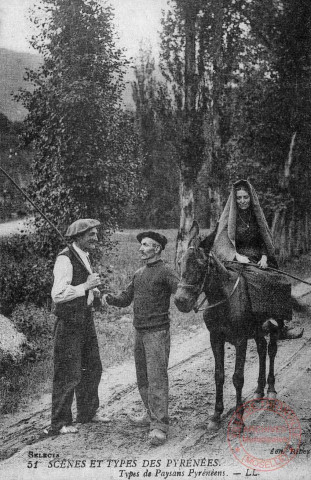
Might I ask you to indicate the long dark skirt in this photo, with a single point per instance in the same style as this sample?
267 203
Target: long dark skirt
269 292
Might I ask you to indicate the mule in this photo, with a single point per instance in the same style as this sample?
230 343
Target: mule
228 318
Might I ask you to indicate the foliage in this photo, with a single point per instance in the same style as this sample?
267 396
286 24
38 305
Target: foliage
16 163
24 275
273 108
155 124
87 152
179 62
252 84
22 378
35 323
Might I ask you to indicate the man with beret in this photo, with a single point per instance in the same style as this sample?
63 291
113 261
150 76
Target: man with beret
150 290
77 365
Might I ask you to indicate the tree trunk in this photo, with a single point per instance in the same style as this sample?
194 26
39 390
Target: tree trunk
291 233
285 178
190 162
287 227
279 233
216 206
213 84
186 219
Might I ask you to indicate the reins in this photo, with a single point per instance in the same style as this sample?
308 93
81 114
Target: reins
189 285
198 307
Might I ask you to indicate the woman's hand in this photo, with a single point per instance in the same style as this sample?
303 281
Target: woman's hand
242 258
263 262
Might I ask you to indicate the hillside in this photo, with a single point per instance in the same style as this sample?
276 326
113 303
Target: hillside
12 69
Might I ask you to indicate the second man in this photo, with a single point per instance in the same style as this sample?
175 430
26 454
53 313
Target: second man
150 290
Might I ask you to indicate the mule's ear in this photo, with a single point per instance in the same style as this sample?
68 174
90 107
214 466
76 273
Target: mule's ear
194 231
208 241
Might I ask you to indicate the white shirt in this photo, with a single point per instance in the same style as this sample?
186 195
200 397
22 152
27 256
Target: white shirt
62 290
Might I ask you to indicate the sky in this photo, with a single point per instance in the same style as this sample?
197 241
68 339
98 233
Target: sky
134 20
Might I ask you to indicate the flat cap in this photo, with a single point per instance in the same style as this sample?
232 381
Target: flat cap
81 226
157 237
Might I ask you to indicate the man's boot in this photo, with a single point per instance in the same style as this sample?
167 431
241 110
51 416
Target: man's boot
157 437
142 421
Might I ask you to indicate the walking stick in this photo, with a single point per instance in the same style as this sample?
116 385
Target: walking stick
273 270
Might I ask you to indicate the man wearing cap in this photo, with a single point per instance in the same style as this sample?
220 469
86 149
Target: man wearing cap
77 365
150 290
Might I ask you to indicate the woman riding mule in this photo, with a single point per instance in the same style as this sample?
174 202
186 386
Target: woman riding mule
228 318
234 313
243 236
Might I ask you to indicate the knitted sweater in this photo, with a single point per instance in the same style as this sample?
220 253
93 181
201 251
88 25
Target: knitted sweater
150 289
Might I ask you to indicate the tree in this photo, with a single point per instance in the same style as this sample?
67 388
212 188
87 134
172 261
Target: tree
87 152
17 164
201 49
243 68
274 121
155 119
179 35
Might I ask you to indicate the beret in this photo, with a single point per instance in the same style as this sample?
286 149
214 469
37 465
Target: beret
157 237
81 226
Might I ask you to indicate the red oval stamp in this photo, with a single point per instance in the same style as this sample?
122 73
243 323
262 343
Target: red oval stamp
270 437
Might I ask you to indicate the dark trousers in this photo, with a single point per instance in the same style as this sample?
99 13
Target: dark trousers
77 369
151 352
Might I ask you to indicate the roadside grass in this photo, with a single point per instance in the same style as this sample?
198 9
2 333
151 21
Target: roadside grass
23 383
22 380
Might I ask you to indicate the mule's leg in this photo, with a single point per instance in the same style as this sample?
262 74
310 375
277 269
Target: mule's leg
262 353
218 346
238 378
272 350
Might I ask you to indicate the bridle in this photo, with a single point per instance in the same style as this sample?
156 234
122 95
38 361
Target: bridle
197 308
194 287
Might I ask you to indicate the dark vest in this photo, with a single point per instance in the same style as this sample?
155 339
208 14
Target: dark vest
79 275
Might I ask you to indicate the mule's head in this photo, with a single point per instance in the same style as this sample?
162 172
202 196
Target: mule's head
193 267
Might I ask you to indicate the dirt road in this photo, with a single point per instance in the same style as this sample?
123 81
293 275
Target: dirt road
14 227
190 452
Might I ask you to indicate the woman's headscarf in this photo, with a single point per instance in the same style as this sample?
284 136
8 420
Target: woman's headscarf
224 245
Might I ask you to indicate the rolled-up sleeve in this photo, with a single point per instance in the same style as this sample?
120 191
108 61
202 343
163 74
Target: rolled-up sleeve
62 290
